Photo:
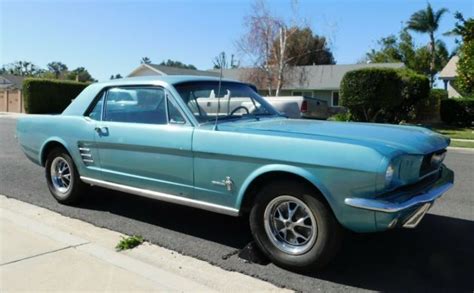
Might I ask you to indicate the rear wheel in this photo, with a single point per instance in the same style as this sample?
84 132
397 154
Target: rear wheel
62 177
294 227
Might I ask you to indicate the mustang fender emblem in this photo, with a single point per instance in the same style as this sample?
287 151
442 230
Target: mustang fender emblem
228 183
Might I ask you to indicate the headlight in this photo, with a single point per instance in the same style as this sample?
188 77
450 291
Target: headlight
389 175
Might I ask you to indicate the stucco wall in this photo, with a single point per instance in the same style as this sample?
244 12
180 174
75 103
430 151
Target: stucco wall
11 101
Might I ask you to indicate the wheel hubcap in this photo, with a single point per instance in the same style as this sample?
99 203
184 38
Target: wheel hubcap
290 225
61 176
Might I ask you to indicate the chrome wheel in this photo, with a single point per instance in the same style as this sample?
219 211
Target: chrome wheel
61 176
290 225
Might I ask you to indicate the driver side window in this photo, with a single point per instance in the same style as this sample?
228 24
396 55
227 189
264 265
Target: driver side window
147 105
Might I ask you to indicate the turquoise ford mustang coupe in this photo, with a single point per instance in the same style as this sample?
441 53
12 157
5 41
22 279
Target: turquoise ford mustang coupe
217 145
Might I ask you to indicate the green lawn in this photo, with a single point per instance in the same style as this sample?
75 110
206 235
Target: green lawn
455 132
462 144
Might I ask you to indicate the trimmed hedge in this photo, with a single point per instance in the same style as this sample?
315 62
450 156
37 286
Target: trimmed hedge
370 92
428 110
387 95
415 98
48 96
439 94
457 111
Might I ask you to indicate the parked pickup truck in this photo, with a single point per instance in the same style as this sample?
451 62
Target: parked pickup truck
300 106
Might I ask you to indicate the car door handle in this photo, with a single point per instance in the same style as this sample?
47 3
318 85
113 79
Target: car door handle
102 130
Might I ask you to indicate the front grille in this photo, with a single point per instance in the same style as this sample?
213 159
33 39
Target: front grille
428 165
405 192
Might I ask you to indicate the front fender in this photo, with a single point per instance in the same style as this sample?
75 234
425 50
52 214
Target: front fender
298 171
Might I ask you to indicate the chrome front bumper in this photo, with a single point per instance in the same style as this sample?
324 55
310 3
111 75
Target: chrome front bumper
409 212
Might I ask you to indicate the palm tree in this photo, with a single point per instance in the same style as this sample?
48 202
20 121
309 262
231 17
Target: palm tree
427 21
145 60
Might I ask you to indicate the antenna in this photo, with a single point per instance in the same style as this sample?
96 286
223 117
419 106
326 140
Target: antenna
221 57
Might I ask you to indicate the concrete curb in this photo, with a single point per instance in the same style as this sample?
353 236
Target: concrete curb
165 270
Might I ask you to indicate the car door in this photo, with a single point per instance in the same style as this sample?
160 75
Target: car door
144 141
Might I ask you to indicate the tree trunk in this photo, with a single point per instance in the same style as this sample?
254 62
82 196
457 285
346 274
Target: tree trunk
281 61
433 58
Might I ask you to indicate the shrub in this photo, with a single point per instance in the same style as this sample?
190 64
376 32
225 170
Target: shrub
428 110
387 95
47 96
438 94
343 116
458 111
414 97
369 92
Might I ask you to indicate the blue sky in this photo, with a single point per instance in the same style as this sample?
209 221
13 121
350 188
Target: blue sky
109 37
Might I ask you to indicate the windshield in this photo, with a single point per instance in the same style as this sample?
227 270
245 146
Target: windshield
232 101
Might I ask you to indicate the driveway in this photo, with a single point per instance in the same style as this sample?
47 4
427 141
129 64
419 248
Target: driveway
438 255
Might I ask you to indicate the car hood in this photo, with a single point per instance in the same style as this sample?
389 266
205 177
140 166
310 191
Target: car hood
410 139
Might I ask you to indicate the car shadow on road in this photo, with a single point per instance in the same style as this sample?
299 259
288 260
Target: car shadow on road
231 231
438 254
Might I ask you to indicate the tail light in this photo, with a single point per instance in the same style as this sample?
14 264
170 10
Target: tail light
304 107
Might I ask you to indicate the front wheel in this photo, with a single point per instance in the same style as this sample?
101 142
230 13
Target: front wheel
62 177
294 227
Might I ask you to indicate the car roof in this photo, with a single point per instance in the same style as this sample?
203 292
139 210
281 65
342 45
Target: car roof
169 79
86 97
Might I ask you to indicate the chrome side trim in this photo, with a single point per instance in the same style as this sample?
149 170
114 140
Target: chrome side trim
393 207
86 155
163 196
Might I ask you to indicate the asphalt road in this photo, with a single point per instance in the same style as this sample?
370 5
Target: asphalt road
437 255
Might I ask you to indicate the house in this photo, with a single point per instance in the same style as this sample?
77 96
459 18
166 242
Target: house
153 69
10 93
319 81
448 74
10 81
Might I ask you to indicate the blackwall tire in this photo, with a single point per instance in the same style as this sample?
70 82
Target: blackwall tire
306 241
62 177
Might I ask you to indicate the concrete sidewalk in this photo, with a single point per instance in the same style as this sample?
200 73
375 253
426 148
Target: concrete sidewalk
41 250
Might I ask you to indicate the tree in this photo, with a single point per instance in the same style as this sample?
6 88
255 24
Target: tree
257 43
275 45
427 21
266 43
22 68
465 67
221 61
57 68
117 76
401 48
178 64
306 48
80 74
145 60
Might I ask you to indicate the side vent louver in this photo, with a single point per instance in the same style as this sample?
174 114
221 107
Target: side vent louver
86 155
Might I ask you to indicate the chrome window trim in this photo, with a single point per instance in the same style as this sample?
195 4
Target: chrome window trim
169 96
163 196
